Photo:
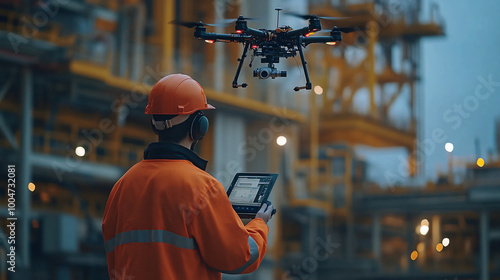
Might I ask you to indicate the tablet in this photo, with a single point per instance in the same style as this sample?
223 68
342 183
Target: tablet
248 191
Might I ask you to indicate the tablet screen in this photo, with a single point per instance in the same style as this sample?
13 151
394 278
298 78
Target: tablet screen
251 190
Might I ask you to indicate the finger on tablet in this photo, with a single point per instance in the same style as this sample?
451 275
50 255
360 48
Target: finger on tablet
269 210
263 208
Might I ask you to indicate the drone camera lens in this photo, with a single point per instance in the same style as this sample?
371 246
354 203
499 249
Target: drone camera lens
266 72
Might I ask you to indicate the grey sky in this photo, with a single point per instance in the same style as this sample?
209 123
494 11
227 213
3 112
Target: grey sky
455 67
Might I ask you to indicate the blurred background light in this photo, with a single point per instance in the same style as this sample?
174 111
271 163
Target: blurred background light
318 90
80 151
424 222
414 255
446 242
424 230
439 247
448 147
31 187
281 140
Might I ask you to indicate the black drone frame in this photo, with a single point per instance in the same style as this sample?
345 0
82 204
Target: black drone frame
270 45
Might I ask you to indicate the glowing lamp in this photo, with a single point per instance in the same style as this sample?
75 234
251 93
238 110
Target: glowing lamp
80 151
281 140
448 147
446 241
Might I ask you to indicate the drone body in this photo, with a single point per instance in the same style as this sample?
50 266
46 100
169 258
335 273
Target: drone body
270 44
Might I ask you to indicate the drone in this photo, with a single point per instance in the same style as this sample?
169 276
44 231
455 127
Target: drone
270 44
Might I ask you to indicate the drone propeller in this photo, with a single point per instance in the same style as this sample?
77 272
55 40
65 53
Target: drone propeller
191 24
342 29
231 20
307 17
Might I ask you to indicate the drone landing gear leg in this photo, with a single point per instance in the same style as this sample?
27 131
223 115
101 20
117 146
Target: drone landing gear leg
235 81
308 82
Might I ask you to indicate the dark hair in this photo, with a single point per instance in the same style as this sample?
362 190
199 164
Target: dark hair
174 134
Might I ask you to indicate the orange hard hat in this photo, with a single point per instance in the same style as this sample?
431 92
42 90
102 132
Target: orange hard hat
177 94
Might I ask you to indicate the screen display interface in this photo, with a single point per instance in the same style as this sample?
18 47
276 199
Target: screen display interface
250 190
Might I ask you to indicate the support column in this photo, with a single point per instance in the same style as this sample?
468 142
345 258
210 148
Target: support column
484 245
451 175
218 82
372 75
413 160
410 239
309 226
24 168
314 145
350 236
436 232
348 205
137 63
313 233
376 237
168 31
123 41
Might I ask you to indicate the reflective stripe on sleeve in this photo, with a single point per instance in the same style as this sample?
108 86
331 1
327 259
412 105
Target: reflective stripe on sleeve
146 236
254 251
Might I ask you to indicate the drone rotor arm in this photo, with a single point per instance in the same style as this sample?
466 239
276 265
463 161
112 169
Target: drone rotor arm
321 39
297 32
239 38
257 33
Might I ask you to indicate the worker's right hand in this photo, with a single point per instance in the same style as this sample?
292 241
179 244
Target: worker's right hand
265 212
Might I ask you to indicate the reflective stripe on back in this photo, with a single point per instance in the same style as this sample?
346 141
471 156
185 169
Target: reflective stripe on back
254 251
147 236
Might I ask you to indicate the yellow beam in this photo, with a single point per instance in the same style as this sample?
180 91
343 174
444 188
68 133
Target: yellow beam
389 76
399 29
393 98
359 130
313 203
354 86
101 73
254 106
90 70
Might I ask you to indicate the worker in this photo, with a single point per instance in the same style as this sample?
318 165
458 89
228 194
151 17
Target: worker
167 218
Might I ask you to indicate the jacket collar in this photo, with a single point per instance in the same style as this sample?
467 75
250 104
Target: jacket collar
168 150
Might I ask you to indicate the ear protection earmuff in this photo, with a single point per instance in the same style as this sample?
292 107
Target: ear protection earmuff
199 126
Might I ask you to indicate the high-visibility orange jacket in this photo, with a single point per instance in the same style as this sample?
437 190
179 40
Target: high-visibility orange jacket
166 218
